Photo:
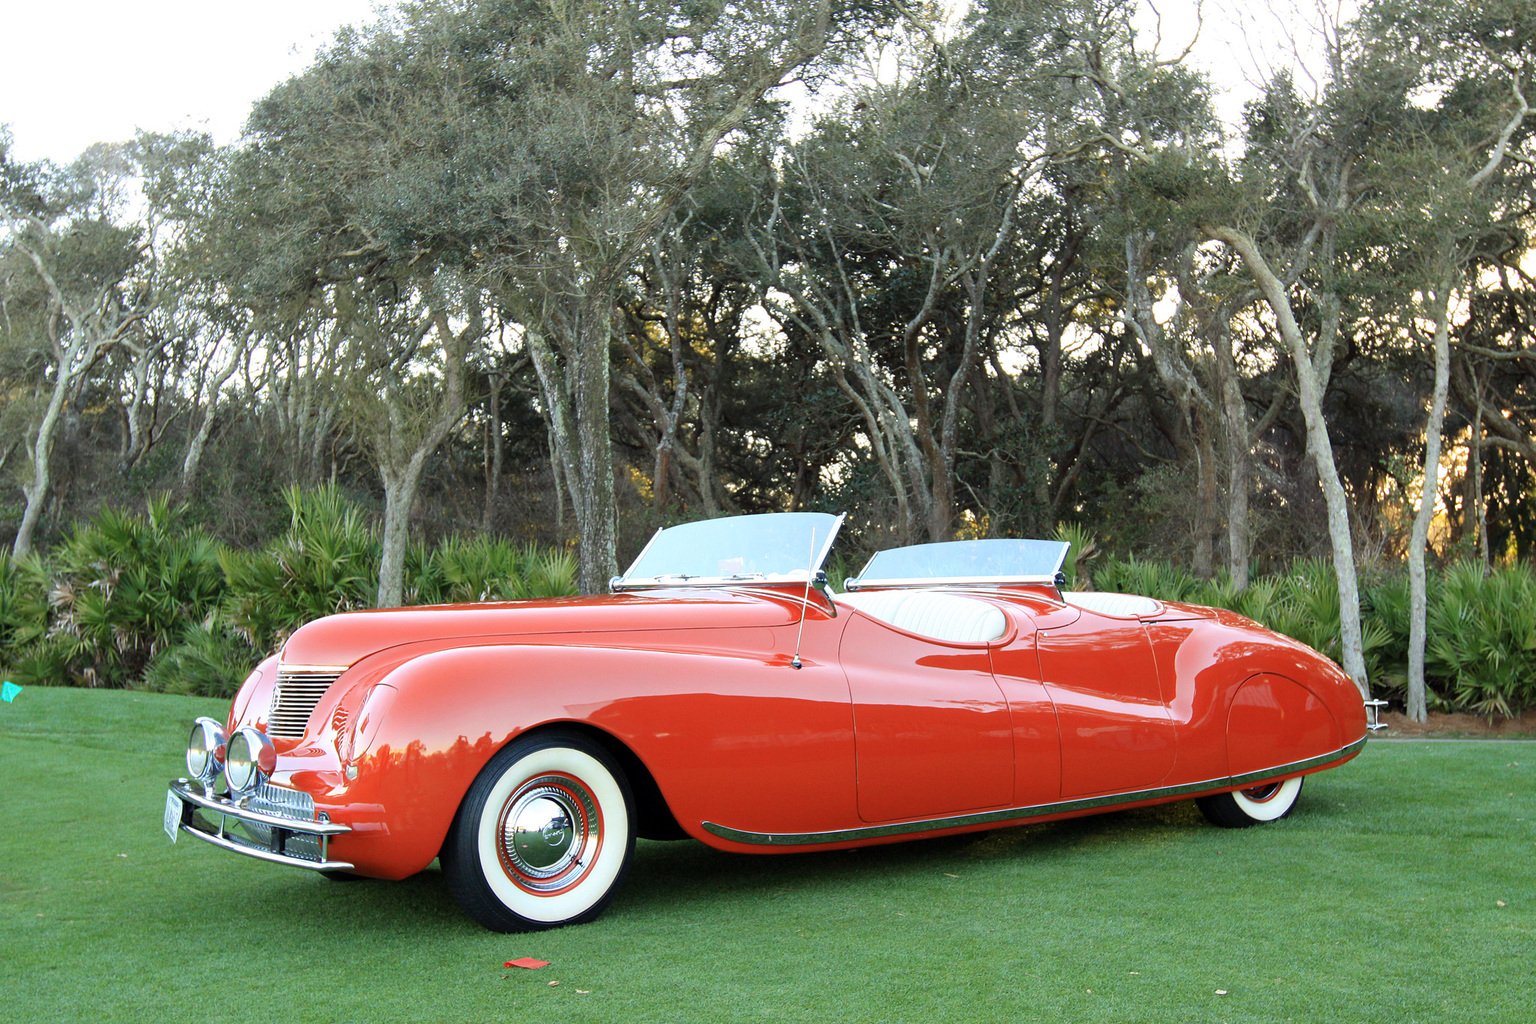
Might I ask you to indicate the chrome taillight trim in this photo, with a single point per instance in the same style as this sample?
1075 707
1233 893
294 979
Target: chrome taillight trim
298 690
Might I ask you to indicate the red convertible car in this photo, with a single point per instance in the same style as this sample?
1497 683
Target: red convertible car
721 692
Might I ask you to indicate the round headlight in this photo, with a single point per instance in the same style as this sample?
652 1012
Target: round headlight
205 750
251 759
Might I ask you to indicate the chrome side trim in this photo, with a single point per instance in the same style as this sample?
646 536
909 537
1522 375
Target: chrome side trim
319 670
1022 814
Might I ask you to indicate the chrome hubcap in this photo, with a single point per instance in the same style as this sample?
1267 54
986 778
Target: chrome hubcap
548 833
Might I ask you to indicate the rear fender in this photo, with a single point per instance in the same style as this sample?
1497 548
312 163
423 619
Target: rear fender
1274 721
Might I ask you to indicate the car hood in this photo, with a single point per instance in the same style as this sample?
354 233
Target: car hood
341 640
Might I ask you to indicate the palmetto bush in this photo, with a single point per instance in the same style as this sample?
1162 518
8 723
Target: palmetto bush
23 609
23 612
464 569
327 562
119 592
147 600
1482 639
1161 580
133 600
208 660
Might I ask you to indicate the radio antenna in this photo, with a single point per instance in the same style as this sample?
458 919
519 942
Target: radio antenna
805 602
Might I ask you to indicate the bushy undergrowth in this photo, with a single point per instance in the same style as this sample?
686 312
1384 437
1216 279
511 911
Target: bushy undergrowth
146 601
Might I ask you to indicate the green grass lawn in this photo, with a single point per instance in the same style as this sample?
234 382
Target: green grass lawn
1402 889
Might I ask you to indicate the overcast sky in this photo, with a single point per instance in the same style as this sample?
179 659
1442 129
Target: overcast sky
74 72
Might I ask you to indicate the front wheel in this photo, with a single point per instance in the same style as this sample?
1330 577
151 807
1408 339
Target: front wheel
1244 807
543 837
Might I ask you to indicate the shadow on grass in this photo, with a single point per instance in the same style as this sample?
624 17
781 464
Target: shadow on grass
687 876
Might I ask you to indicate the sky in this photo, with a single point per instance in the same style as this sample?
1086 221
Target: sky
74 72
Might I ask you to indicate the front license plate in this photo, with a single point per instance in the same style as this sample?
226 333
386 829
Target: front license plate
172 815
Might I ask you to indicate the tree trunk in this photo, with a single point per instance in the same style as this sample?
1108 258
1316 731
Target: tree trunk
199 441
497 446
402 476
399 500
1311 370
592 484
1417 597
40 447
1234 414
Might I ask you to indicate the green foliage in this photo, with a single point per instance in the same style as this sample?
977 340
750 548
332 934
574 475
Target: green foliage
1083 552
23 604
209 660
1482 638
327 562
120 591
488 569
1162 580
149 601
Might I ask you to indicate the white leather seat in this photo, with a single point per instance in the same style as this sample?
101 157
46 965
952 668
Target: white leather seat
1123 606
948 617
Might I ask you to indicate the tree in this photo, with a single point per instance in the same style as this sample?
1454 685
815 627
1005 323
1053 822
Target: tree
67 268
1442 191
405 396
540 148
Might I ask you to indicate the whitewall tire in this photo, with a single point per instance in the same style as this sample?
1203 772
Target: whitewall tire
544 835
1241 808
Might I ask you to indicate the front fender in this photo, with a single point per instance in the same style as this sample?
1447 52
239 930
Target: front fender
723 733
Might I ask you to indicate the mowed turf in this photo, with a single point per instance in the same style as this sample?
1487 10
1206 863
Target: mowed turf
1400 890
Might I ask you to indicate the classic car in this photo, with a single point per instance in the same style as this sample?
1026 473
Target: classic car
722 692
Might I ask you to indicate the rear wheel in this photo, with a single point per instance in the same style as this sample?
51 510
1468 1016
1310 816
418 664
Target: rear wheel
1255 805
543 837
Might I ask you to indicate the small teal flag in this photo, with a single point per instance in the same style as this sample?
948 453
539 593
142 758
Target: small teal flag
9 691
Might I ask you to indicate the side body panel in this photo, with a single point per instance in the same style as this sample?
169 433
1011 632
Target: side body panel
1244 699
1116 733
933 733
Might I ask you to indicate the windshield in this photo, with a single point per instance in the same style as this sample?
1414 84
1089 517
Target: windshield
777 547
964 561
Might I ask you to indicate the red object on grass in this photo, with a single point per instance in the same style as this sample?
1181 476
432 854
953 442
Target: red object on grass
528 962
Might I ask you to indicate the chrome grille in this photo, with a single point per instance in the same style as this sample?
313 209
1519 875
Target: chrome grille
284 803
294 698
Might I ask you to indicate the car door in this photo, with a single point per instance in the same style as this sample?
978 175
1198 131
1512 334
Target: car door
932 729
1116 732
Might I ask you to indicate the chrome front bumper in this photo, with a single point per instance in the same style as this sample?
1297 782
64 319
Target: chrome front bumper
275 830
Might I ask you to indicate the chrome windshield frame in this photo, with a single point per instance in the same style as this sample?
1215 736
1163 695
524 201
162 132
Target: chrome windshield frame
1050 577
800 575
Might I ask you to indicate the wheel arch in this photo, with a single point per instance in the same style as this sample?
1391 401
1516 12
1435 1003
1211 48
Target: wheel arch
1274 720
653 816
